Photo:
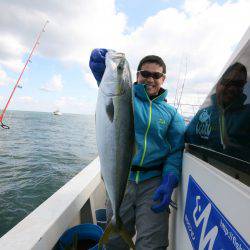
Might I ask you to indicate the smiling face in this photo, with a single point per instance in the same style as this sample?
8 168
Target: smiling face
152 85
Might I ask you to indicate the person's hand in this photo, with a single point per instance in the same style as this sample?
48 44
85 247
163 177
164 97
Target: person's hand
97 63
164 192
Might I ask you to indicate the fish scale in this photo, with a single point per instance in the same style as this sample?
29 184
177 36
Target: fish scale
115 136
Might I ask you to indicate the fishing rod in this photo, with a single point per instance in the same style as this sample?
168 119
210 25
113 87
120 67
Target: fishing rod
20 76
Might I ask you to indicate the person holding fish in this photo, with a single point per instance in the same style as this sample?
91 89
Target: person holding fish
157 159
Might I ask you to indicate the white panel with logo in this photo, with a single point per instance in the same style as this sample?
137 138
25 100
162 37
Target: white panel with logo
213 209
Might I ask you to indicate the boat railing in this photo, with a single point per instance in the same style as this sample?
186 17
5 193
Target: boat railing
72 204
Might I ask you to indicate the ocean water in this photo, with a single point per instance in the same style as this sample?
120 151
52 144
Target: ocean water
39 154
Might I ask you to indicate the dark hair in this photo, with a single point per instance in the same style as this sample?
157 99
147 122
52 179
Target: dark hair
152 59
236 72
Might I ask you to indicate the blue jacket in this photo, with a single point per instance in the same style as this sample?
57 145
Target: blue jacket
226 131
159 135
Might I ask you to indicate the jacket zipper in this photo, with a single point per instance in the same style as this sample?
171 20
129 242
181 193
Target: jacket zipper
145 141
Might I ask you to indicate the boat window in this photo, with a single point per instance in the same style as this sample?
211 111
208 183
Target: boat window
221 127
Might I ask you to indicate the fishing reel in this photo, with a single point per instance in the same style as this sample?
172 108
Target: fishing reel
4 126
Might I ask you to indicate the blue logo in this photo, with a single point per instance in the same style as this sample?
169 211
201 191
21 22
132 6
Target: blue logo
203 127
206 226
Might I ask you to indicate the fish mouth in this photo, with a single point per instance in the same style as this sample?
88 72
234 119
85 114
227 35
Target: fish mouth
116 55
114 84
114 79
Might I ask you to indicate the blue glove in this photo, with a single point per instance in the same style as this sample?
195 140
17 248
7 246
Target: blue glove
164 192
97 63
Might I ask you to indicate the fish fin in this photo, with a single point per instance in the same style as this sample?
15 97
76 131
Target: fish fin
110 110
110 229
126 237
105 236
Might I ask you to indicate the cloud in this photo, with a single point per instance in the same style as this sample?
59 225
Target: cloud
54 85
4 79
11 52
68 104
203 37
90 80
73 30
27 99
196 6
202 34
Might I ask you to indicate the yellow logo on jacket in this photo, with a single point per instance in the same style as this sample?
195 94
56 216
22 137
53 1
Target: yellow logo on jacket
162 121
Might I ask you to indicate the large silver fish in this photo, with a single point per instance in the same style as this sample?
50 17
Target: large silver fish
115 136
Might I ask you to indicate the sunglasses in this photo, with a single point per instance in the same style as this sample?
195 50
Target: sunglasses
147 74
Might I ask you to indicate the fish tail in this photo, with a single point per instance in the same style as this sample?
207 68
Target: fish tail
105 236
126 237
110 229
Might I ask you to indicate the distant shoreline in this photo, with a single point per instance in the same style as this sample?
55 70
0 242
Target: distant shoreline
14 110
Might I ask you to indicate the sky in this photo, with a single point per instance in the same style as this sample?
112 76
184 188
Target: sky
194 37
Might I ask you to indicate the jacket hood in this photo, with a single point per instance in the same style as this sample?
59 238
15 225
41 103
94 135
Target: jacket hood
140 92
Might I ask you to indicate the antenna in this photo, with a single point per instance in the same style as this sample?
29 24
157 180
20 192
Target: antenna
182 87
